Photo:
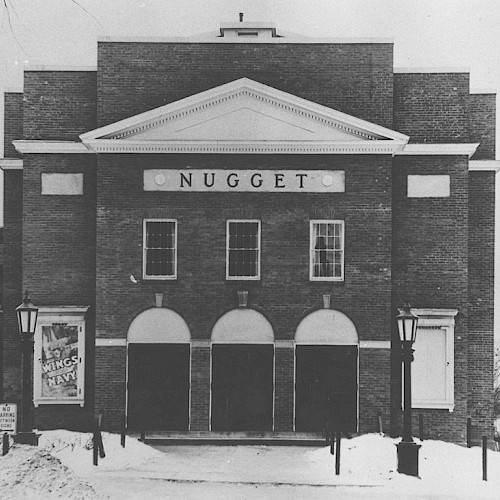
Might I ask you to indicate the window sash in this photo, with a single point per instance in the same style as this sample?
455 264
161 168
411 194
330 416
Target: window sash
243 249
160 249
326 250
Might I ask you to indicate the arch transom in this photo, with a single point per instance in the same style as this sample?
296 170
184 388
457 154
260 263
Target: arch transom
158 326
326 326
243 326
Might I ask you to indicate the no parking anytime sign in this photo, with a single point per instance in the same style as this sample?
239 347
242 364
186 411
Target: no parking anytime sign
8 418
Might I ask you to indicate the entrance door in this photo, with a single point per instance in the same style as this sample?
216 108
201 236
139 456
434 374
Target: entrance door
326 386
242 387
158 387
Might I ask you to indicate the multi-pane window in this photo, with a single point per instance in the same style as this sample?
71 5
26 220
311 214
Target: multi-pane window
160 249
327 250
243 249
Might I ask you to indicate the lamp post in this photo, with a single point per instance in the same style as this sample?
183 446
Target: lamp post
407 448
27 314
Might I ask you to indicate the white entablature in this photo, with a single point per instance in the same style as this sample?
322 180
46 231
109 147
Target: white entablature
244 116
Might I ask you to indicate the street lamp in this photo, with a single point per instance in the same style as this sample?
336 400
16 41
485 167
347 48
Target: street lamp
407 448
27 314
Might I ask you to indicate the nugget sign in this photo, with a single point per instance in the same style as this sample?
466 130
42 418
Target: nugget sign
8 418
275 181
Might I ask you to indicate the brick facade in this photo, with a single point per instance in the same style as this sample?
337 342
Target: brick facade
435 252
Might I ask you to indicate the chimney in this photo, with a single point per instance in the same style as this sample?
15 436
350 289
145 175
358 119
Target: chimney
241 17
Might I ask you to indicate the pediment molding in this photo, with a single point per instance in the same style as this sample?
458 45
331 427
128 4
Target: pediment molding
244 116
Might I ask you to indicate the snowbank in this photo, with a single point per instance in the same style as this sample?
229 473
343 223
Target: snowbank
444 468
27 472
74 449
62 467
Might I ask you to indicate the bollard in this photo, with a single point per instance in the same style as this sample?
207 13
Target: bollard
101 445
95 447
421 426
338 437
143 436
124 431
469 432
380 424
485 454
5 444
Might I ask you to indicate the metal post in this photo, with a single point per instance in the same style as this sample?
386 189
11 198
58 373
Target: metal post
407 448
338 437
26 435
469 432
95 448
26 414
5 444
485 454
124 431
407 355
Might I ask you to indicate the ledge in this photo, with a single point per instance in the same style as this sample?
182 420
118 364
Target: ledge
460 149
11 164
27 147
484 165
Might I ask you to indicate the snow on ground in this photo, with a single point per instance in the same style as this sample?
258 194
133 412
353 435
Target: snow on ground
62 468
27 472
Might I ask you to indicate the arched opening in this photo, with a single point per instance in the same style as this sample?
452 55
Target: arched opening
242 372
158 345
326 372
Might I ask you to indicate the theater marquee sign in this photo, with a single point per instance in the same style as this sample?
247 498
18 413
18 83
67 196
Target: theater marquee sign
276 181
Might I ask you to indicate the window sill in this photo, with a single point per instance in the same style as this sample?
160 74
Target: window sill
242 278
159 278
434 406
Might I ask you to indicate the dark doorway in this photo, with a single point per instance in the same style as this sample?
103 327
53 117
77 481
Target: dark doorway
326 387
158 387
242 387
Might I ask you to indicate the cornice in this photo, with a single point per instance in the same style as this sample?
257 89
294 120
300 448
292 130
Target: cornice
11 164
249 147
466 149
484 165
284 37
431 312
60 68
431 70
65 310
27 147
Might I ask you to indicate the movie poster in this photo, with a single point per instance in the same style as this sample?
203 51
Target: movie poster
59 361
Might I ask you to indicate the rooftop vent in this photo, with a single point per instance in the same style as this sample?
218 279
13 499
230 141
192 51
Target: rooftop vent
242 29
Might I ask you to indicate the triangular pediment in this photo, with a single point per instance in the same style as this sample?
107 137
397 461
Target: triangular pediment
244 116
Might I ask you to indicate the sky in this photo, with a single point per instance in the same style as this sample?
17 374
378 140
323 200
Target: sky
426 33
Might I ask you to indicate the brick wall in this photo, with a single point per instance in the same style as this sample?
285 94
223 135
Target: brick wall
284 294
482 120
432 107
353 78
13 122
59 105
201 294
430 258
481 301
12 287
200 388
110 392
284 370
59 261
374 389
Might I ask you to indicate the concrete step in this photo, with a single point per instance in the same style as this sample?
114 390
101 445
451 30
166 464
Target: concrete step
232 438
